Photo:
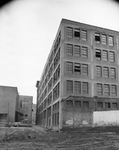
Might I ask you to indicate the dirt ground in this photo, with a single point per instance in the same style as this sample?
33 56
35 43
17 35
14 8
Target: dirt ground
34 138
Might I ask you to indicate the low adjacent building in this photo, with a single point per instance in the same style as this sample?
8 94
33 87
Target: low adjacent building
25 108
14 107
8 104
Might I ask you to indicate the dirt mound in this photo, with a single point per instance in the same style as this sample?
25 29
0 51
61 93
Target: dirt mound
22 135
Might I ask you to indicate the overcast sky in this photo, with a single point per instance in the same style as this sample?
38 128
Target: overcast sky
27 31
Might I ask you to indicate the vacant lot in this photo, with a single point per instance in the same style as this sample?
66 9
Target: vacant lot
82 139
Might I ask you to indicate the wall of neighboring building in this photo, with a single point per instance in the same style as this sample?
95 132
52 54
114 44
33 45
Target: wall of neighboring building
8 97
25 107
34 113
102 118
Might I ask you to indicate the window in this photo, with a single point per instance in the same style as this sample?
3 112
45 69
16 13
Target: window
57 122
105 72
85 104
69 49
84 69
106 90
115 106
58 72
77 85
77 50
100 105
105 55
97 37
51 58
56 91
114 90
69 86
25 104
50 72
113 73
99 89
84 52
20 104
83 35
98 54
57 58
77 68
69 67
69 103
49 98
77 33
78 104
99 71
104 39
112 56
69 32
85 87
53 119
107 105
110 40
56 75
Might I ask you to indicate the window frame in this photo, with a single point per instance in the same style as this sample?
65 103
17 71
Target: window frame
69 86
69 49
77 48
69 67
99 89
77 87
106 89
98 71
84 69
84 52
98 55
77 68
69 32
97 37
110 40
84 35
77 34
85 88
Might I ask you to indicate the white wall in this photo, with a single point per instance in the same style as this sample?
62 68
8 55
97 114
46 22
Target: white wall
106 117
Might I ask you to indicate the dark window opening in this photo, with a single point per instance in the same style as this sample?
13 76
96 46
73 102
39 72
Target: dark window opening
98 54
77 33
107 105
77 68
97 37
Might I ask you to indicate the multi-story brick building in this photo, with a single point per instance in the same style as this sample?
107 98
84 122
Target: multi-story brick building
80 84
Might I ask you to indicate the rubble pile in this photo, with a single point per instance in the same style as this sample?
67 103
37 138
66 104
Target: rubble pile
22 134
